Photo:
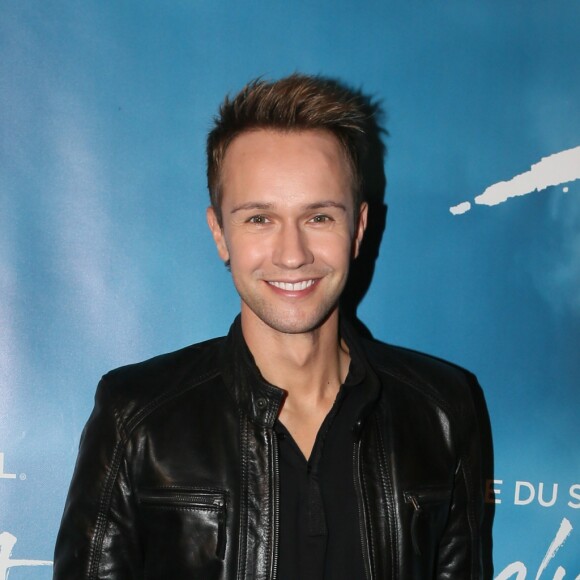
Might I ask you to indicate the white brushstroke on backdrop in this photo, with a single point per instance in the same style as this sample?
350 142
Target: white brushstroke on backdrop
7 543
556 169
557 543
460 208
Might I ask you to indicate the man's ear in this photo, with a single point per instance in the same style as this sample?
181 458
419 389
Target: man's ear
218 234
360 228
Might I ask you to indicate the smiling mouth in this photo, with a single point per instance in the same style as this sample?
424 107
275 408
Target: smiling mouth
293 287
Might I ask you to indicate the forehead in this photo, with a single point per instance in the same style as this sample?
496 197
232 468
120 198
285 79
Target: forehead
285 160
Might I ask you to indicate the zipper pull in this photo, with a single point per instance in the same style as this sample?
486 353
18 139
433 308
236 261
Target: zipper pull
413 500
417 511
222 531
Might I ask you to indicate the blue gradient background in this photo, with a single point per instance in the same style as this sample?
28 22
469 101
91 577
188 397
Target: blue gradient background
105 257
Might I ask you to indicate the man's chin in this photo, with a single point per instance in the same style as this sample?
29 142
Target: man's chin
292 323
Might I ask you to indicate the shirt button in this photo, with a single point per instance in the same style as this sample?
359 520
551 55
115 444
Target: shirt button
261 403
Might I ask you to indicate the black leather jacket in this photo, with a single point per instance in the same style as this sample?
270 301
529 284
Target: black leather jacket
177 474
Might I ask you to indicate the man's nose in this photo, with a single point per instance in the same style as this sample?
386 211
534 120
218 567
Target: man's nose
292 249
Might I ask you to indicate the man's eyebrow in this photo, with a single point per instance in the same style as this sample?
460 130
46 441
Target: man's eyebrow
263 206
323 204
251 205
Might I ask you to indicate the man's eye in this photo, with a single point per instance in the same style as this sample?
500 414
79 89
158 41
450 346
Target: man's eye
258 219
321 219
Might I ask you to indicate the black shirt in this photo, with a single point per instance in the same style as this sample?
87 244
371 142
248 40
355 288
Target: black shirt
319 512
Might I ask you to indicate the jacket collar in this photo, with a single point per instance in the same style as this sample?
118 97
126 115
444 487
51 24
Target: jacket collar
260 399
253 394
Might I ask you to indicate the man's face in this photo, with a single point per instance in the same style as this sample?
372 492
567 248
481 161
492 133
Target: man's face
288 226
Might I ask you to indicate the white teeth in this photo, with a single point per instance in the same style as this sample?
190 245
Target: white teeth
288 286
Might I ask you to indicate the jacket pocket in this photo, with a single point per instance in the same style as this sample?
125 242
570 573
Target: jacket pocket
430 510
185 528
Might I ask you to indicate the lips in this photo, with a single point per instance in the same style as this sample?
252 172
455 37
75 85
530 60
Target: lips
292 286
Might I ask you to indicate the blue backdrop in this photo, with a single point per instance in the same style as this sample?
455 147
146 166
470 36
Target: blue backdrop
105 257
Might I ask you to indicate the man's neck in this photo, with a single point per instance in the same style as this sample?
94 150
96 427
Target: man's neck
309 366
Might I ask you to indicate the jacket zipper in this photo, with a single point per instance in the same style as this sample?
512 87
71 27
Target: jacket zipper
212 500
417 511
418 499
363 524
276 502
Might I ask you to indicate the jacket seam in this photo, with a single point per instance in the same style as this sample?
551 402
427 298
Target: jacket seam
466 469
243 501
124 431
100 525
389 495
372 535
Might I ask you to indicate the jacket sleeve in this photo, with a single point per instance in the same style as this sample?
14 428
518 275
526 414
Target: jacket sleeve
460 549
98 537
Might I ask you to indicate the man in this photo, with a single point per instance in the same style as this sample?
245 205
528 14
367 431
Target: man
292 448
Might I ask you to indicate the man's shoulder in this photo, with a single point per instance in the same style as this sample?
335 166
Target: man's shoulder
445 381
139 384
401 359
